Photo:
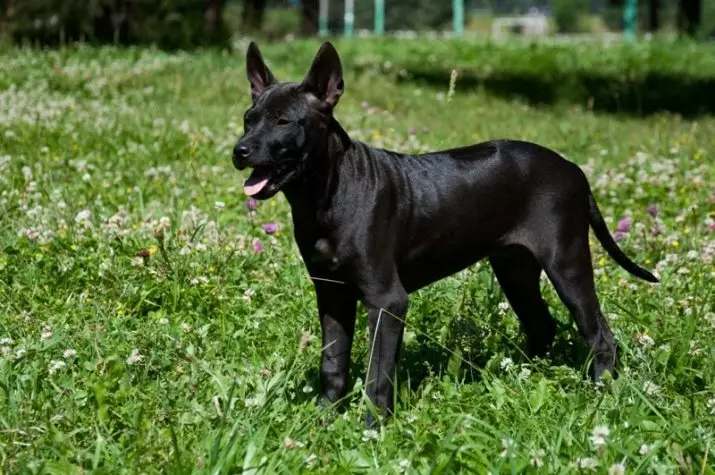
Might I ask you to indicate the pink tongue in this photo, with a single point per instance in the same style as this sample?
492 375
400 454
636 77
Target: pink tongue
256 182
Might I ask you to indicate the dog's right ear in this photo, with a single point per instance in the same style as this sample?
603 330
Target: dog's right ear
258 73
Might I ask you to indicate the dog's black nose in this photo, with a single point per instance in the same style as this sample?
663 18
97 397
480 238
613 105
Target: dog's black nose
241 151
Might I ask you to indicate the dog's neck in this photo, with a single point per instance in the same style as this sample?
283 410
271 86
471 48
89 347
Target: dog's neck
312 193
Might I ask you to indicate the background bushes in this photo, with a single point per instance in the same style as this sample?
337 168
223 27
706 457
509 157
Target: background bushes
169 24
568 15
642 78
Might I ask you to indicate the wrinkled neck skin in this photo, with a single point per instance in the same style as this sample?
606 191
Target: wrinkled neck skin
311 194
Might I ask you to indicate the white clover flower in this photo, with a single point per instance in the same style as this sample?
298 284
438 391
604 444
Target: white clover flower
599 436
369 434
650 388
507 443
248 295
253 401
537 458
524 373
711 405
56 365
135 357
586 463
199 280
645 340
506 364
694 349
83 218
69 353
617 469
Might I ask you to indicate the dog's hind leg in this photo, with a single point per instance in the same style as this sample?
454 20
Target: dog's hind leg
568 266
518 273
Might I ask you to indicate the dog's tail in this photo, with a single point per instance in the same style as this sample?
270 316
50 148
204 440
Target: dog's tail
600 229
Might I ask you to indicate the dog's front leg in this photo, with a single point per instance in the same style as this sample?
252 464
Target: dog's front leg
337 321
386 316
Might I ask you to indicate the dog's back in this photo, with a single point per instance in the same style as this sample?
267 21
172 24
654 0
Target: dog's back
440 212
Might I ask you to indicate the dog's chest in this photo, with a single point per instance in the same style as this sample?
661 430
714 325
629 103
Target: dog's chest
324 254
327 254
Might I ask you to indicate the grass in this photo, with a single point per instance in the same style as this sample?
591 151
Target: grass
150 323
621 77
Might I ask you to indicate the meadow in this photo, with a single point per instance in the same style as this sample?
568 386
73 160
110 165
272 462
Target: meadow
155 320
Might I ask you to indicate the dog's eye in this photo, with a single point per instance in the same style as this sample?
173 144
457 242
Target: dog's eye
283 121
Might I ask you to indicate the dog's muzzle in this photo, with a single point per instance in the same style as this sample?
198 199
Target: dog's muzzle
241 152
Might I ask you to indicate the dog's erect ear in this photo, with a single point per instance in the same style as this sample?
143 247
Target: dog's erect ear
325 78
258 73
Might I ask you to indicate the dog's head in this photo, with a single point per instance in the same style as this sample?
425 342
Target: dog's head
286 122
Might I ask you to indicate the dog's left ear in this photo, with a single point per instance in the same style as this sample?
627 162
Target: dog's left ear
258 73
325 78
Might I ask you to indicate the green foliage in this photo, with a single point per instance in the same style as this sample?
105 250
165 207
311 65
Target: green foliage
150 324
707 30
640 78
567 15
280 23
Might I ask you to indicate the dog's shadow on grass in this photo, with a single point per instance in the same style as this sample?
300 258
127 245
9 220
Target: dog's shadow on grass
425 357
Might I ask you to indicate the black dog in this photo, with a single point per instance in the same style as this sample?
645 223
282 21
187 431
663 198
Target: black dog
374 225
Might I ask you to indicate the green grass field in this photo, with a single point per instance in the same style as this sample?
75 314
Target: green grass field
154 321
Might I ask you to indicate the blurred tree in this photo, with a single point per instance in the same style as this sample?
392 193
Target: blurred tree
309 13
568 13
213 18
707 29
689 16
7 14
167 24
653 15
111 21
252 15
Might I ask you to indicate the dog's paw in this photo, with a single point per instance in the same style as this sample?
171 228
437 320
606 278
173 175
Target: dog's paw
328 411
371 422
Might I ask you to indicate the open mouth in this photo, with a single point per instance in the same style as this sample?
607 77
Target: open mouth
265 182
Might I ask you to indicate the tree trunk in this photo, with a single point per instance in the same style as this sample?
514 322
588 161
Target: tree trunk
689 16
309 17
653 15
213 10
252 15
